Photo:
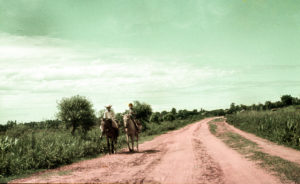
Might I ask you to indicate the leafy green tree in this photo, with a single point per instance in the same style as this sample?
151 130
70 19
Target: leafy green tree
287 100
155 117
278 104
268 105
254 107
244 107
143 111
296 101
173 111
182 114
119 118
260 106
11 124
217 112
76 112
232 108
163 113
169 117
195 111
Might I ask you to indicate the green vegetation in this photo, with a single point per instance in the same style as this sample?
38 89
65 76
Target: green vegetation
285 101
33 146
238 142
29 147
213 128
285 169
281 126
76 112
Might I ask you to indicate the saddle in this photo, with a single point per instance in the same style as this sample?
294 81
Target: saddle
136 123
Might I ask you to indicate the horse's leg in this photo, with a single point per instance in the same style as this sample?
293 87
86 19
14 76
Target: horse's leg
112 145
108 145
132 142
137 142
127 138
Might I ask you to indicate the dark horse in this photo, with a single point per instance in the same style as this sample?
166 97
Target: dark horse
111 134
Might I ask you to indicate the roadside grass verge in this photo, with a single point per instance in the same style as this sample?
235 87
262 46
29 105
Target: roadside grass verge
283 168
286 170
281 126
36 151
46 175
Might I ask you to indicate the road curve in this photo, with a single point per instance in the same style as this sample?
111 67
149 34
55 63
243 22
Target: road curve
188 155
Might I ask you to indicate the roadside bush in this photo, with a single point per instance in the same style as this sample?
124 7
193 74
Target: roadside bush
155 117
44 149
169 117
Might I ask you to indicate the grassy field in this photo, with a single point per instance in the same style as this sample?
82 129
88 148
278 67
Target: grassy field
281 126
24 151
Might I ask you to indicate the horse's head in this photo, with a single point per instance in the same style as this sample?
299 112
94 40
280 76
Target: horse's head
125 119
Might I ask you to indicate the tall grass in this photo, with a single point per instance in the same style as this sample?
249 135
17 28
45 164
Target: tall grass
23 151
45 149
282 126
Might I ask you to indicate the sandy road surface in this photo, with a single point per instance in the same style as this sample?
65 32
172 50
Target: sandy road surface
188 155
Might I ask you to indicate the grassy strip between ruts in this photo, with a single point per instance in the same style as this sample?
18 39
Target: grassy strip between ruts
286 170
153 130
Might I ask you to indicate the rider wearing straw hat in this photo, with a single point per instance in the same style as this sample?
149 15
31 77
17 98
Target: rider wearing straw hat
109 114
132 115
131 112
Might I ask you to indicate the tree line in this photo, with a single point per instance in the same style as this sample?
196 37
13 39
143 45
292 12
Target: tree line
77 113
285 100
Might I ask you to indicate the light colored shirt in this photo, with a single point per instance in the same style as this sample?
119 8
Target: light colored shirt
109 115
131 112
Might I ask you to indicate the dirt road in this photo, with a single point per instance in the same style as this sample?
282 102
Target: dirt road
188 155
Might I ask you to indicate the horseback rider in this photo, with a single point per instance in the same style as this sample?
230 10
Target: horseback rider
132 116
109 114
131 111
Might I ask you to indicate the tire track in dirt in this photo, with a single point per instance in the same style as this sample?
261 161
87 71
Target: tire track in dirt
235 167
209 170
186 161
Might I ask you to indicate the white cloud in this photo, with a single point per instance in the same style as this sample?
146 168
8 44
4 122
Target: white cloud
38 71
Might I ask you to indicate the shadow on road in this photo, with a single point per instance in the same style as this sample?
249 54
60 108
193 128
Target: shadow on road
150 151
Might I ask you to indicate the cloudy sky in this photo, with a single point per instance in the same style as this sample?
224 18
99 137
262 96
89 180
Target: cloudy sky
169 53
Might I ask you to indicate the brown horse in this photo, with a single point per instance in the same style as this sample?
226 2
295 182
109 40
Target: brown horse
131 131
110 132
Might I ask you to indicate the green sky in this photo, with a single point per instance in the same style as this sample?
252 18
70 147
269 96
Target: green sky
184 54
